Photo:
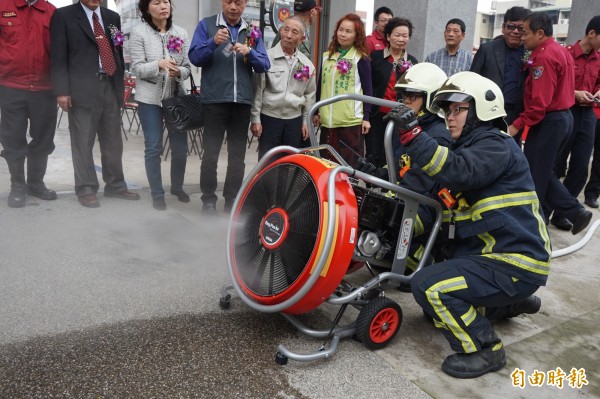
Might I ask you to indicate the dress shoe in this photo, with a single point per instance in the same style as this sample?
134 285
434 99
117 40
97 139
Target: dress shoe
529 305
89 201
159 203
125 194
17 198
581 221
561 223
591 202
209 209
42 193
475 364
181 195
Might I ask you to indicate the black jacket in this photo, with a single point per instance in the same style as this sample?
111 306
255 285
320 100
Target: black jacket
381 70
415 179
504 222
74 55
489 63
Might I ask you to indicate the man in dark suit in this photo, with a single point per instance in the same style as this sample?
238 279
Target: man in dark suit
87 78
503 61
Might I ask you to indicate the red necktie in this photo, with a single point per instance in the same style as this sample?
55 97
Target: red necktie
106 56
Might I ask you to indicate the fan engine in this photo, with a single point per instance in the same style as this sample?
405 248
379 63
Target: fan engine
279 227
380 218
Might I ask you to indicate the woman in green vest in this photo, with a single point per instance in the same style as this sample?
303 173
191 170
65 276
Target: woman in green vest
346 68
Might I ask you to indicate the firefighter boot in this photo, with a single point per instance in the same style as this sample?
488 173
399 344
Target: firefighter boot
490 358
36 170
18 191
529 305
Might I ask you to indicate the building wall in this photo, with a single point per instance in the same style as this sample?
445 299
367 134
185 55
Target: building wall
581 13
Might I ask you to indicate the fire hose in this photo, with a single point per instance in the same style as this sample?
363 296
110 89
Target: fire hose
578 245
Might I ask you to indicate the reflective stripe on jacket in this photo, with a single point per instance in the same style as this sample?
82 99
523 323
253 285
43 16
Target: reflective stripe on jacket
504 221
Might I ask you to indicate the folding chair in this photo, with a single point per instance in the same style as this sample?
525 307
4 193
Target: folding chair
130 105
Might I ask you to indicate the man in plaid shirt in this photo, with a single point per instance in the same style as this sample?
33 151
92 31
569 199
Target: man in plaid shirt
452 58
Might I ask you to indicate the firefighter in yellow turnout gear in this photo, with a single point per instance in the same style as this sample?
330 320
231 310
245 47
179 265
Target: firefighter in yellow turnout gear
497 249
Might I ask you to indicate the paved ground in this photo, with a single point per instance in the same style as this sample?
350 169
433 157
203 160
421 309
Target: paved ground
122 302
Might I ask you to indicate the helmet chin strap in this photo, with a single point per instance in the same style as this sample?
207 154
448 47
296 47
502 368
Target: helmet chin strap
472 121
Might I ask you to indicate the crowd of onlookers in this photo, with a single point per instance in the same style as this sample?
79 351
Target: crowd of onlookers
73 56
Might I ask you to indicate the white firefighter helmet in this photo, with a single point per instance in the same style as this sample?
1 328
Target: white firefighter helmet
424 77
467 86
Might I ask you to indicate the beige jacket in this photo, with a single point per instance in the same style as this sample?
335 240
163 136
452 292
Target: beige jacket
278 94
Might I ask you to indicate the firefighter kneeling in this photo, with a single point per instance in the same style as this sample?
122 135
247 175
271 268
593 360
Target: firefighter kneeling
498 249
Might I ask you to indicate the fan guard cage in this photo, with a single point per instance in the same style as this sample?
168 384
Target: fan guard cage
278 231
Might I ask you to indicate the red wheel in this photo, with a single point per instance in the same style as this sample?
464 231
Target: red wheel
378 322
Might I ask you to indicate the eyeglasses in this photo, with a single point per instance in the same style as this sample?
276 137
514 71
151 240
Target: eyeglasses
384 20
454 111
411 96
512 27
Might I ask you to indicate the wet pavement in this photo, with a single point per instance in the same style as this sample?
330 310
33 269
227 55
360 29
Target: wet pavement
122 302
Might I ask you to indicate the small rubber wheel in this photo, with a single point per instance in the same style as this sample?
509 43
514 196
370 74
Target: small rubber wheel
225 302
378 322
281 359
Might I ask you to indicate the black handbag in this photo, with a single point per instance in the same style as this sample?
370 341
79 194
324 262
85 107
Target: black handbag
184 112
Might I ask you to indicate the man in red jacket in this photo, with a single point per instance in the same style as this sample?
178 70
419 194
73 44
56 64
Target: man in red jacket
26 96
546 120
578 149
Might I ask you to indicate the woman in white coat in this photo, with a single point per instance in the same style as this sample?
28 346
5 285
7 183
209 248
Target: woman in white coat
159 60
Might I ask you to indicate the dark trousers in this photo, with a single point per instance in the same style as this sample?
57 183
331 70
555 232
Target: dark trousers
19 109
592 188
451 292
151 117
276 132
544 142
103 120
235 119
579 146
347 141
374 144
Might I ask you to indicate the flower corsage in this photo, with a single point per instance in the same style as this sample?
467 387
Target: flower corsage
302 72
404 66
526 60
252 38
116 35
175 44
344 66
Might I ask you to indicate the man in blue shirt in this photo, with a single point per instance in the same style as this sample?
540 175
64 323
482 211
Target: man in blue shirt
228 49
452 59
